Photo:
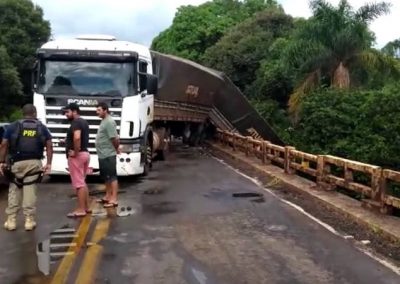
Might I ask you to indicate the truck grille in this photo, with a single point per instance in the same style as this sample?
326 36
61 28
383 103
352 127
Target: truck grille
58 125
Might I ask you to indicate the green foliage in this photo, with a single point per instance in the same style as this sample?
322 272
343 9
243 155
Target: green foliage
352 109
359 125
196 28
10 85
22 31
275 116
333 43
16 114
392 48
273 79
239 53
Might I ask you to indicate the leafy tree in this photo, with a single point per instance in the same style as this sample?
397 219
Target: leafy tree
22 31
333 43
273 79
10 85
392 48
275 116
358 125
196 28
239 53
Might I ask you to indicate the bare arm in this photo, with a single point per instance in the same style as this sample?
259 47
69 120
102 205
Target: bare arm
3 154
77 141
49 151
3 150
115 142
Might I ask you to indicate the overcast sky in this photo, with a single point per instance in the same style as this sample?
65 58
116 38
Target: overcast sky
141 21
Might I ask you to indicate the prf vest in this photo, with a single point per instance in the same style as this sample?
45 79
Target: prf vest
27 140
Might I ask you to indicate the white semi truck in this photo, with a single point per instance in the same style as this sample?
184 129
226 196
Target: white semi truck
90 69
151 96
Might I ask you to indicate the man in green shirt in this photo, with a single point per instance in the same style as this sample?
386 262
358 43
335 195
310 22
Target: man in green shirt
107 146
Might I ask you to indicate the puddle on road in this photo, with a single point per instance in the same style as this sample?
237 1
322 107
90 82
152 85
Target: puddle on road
54 248
276 228
109 256
194 272
199 275
257 197
247 194
161 208
95 192
258 200
31 279
124 211
154 191
217 193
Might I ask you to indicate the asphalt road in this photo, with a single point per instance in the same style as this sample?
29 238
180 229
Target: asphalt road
185 227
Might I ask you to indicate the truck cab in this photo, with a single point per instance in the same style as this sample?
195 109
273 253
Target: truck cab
91 69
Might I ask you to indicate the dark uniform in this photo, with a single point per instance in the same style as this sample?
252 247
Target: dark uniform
26 139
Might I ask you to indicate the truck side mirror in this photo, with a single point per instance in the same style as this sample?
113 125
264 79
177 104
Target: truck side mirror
152 84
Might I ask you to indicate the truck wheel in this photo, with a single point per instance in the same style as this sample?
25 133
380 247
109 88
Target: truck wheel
160 155
148 159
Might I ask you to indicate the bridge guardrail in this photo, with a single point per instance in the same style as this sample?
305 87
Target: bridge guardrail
370 182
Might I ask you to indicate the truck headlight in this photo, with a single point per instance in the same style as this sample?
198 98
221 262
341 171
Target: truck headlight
129 148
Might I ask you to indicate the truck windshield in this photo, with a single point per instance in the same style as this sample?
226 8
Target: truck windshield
86 78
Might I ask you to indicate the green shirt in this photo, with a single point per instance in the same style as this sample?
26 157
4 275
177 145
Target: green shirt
107 131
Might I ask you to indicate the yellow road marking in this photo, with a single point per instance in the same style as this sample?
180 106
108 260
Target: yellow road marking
100 230
93 254
64 268
62 272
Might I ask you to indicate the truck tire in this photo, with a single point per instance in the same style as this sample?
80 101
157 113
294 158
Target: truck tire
162 154
148 159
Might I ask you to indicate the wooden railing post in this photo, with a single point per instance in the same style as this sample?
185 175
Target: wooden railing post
263 152
226 140
248 144
240 143
218 136
288 160
320 171
379 190
348 175
234 146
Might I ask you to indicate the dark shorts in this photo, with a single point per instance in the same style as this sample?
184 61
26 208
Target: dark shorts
108 168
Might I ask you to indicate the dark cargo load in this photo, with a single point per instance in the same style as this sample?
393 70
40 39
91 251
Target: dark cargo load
184 81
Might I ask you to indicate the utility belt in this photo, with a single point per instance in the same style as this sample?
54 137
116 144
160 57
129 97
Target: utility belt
19 182
23 157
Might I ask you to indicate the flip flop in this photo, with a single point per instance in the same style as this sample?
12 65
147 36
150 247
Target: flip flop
76 215
110 205
102 200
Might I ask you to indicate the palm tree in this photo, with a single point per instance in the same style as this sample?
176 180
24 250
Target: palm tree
333 42
392 48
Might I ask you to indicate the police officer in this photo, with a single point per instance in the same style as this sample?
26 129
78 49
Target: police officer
23 144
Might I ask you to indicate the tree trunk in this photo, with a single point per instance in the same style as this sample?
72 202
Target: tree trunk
341 77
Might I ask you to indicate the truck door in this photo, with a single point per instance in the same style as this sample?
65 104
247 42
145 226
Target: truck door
146 100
